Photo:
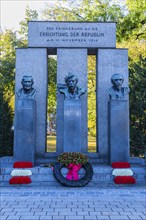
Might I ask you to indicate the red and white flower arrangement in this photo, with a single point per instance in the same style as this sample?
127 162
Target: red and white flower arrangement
22 164
122 174
124 180
20 180
121 165
21 176
21 172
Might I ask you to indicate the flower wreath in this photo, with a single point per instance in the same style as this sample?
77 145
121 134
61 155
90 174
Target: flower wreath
72 157
73 161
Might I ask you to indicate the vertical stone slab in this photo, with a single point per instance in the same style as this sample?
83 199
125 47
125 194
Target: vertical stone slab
109 61
118 131
25 130
74 61
72 126
34 62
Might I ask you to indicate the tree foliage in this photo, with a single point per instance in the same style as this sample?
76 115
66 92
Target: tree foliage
87 10
30 15
52 74
6 122
9 42
138 107
92 96
132 25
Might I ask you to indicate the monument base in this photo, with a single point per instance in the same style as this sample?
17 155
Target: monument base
72 126
24 144
118 131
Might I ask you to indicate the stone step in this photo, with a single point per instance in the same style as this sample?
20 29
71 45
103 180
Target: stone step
7 161
44 176
90 184
96 178
96 168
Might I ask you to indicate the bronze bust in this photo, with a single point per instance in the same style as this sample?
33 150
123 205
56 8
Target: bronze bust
27 91
70 89
117 92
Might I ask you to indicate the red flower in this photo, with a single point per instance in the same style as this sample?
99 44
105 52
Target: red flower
20 180
22 164
124 180
120 165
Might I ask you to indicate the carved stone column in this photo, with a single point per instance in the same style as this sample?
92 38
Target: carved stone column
118 131
24 148
72 126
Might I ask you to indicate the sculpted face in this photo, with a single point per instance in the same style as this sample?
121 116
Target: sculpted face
71 82
27 83
117 80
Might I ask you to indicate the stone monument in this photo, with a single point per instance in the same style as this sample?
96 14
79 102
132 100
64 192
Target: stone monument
72 113
25 121
72 42
118 120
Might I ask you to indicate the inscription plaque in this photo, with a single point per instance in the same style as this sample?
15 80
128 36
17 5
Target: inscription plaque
119 107
71 34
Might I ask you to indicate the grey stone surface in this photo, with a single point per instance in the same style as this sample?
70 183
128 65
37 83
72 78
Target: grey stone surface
71 34
109 61
33 61
74 61
43 176
118 131
72 41
24 142
72 126
73 203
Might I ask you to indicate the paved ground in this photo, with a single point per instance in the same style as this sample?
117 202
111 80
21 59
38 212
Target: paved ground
31 203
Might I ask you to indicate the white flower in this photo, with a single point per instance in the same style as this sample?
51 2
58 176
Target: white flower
122 172
21 172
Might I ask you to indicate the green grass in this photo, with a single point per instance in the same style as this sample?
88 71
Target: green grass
51 144
91 144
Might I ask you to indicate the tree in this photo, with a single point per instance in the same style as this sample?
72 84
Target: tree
132 35
138 107
30 15
6 122
8 44
132 24
92 96
52 73
87 10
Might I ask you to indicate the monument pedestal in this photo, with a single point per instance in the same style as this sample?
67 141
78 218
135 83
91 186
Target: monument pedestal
72 126
24 144
118 131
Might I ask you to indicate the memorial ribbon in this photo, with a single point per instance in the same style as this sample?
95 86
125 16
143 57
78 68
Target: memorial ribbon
73 171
